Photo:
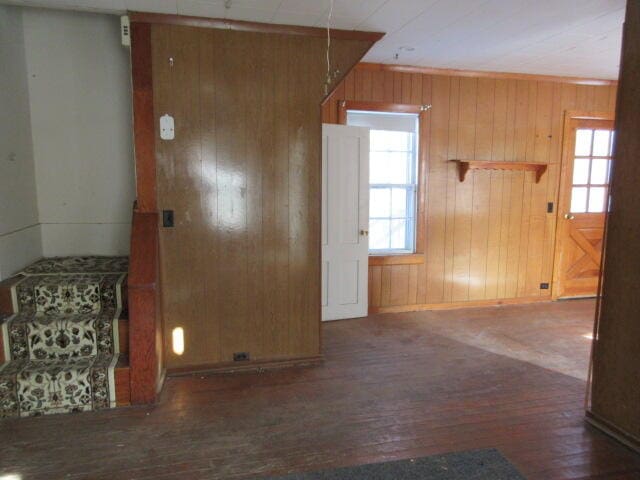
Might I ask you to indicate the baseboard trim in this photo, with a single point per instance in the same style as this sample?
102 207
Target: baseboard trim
455 305
257 365
613 431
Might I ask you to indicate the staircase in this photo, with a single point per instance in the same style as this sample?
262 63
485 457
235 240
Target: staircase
64 338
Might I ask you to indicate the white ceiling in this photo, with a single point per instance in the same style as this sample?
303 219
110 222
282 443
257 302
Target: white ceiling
554 37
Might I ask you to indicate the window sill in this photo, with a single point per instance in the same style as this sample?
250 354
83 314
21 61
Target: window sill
406 259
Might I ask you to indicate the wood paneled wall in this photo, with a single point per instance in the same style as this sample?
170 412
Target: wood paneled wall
240 269
616 359
490 237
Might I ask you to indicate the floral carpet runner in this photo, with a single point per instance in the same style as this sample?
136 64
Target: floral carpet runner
61 347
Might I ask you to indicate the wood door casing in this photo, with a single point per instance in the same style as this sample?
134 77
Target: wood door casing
579 237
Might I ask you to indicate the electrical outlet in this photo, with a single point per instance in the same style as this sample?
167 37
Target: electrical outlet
167 127
544 286
550 207
241 356
167 218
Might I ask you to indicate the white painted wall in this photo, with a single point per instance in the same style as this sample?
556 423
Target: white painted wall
80 105
20 241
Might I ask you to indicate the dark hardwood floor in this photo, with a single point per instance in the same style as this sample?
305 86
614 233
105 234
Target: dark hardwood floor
392 387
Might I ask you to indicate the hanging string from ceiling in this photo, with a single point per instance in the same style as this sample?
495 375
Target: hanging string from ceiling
327 82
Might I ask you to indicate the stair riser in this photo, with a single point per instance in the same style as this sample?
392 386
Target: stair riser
123 337
123 388
6 303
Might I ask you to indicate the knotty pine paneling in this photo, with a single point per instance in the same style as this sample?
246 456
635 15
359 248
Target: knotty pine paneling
240 270
489 237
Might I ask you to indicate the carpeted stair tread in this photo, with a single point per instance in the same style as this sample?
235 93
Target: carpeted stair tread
68 293
77 335
71 265
35 387
62 346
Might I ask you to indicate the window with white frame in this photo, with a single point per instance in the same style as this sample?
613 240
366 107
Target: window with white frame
393 172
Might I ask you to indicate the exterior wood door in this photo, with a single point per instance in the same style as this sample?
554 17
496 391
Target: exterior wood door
345 220
584 199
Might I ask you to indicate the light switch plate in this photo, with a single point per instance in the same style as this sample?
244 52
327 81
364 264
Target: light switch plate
166 127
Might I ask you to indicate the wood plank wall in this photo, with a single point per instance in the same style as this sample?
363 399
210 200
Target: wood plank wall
240 269
616 360
489 238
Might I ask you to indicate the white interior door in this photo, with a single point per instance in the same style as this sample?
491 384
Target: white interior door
345 221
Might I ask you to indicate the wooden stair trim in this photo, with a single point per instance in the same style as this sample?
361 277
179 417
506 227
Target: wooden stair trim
145 358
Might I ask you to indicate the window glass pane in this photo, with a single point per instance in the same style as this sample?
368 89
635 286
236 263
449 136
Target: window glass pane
579 199
596 199
583 142
390 141
390 167
378 234
581 171
601 143
380 168
600 171
399 202
379 202
398 234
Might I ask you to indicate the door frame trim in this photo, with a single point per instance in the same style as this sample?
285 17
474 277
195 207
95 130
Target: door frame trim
569 116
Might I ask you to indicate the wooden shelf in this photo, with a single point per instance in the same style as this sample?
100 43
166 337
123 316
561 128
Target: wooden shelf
465 165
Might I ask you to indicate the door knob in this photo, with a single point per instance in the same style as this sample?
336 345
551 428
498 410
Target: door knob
364 233
568 216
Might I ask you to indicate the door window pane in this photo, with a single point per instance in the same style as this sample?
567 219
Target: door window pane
597 199
600 171
581 171
601 143
591 173
583 142
579 199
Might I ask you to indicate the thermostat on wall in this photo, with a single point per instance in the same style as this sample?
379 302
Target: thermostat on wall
166 127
